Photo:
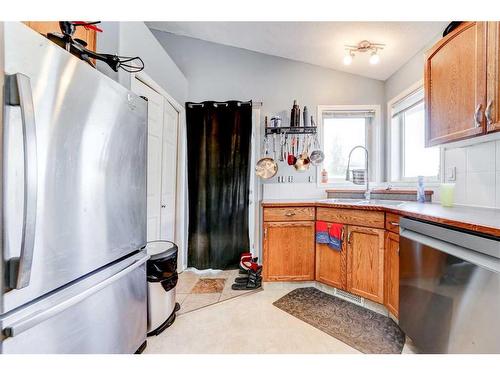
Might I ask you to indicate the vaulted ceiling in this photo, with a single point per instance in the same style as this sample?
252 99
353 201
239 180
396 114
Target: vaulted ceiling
318 43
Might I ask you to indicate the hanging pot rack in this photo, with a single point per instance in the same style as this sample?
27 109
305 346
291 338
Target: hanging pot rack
291 130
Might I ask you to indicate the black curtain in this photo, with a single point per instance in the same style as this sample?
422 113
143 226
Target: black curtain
218 145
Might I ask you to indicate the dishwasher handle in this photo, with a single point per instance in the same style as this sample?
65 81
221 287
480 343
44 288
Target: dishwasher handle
479 259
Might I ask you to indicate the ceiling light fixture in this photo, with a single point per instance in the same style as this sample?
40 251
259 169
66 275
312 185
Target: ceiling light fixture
374 58
348 58
363 46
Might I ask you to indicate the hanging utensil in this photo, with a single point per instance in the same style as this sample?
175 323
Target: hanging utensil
291 155
266 167
282 146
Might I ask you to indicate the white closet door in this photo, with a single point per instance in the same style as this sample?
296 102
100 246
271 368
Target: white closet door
169 172
156 109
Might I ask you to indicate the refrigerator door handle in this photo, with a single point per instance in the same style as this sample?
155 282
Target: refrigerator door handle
40 316
18 93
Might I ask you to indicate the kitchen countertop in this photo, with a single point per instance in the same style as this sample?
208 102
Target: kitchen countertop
477 219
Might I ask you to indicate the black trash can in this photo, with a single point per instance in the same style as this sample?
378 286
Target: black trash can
162 278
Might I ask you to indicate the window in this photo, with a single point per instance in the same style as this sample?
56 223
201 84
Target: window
341 131
409 156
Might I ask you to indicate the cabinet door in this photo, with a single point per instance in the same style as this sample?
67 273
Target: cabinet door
455 85
365 262
288 251
44 27
492 113
331 265
391 273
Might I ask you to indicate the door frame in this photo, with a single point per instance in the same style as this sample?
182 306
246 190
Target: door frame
255 196
181 198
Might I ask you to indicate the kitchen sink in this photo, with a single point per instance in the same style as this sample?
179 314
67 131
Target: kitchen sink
364 202
344 200
382 202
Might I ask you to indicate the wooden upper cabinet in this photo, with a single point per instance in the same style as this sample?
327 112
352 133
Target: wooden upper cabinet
391 273
44 27
492 112
455 85
331 265
289 251
365 262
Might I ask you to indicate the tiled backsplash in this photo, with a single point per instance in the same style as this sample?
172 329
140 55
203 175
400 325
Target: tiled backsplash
475 170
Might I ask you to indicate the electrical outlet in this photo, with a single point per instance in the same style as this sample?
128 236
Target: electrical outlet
451 174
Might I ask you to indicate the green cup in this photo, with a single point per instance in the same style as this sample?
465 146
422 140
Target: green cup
447 192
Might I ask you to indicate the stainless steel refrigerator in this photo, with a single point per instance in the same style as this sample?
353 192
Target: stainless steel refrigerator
73 180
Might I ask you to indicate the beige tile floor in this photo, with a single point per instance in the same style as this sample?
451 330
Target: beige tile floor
190 301
247 324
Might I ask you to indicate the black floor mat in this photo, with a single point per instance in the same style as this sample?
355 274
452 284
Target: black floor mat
363 329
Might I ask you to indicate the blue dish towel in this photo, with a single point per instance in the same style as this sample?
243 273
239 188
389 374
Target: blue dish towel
331 236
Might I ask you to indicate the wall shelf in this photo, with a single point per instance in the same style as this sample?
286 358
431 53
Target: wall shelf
292 130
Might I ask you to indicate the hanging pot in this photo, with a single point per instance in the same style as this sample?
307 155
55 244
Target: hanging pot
266 167
317 156
303 162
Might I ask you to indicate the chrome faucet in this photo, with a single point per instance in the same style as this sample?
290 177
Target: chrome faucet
357 179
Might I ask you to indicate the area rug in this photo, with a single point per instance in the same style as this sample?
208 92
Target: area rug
209 286
360 328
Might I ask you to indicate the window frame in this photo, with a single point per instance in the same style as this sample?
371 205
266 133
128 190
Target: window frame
395 178
373 141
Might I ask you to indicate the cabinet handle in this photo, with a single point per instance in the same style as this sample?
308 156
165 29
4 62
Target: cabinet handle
349 238
487 113
265 232
290 214
394 223
477 116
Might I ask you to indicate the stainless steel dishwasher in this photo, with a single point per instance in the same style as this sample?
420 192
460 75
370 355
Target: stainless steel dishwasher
449 289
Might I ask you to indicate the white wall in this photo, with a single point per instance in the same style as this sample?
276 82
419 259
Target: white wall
218 72
477 172
135 39
407 75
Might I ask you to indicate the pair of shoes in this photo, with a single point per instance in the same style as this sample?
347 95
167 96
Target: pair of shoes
252 281
246 261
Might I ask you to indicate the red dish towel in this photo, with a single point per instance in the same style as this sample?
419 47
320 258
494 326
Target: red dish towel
331 236
336 231
321 226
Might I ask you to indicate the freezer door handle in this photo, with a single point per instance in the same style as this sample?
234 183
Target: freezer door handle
18 93
40 316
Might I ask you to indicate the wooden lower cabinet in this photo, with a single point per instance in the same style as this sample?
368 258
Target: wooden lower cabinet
365 262
289 251
331 265
367 265
391 273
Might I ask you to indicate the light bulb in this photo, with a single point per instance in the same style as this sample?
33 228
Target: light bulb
374 58
348 58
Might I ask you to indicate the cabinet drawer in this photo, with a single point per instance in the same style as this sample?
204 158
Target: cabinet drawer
373 219
288 213
392 222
